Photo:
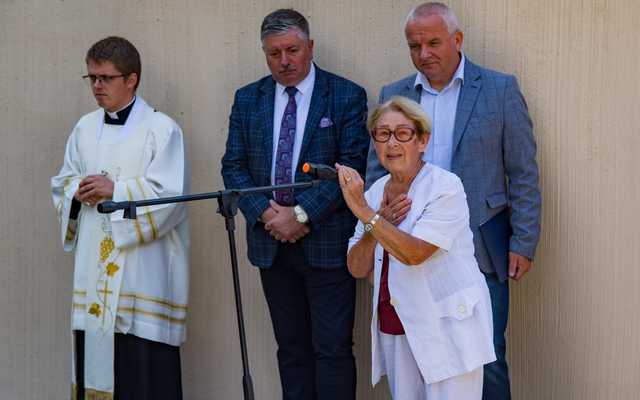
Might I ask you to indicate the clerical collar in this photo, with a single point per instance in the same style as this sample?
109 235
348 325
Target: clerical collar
118 117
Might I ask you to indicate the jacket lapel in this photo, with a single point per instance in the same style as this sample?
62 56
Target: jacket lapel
317 109
266 105
468 96
411 91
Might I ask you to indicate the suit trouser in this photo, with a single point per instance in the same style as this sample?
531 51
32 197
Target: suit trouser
496 374
405 379
312 312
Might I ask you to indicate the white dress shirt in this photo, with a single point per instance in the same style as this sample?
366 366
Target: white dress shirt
441 107
303 102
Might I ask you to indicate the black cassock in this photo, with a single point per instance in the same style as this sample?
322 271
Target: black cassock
144 369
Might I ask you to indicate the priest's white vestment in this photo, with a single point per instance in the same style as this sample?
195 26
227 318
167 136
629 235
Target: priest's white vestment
130 276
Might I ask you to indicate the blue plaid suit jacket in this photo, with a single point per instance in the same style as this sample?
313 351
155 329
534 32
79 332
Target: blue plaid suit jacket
248 158
494 154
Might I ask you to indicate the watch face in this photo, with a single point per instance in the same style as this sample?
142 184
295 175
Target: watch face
368 227
301 216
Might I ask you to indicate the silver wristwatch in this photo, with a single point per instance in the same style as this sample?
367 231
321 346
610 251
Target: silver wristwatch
368 227
301 214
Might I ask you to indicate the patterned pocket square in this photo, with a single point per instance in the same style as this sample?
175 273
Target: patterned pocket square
325 122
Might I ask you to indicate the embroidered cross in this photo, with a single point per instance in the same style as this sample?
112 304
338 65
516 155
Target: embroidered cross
105 292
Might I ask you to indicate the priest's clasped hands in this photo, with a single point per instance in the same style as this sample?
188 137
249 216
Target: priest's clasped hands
280 222
93 189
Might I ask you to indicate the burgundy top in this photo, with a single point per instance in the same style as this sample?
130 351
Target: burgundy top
387 316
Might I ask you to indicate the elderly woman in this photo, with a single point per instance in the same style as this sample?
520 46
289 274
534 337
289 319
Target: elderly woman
431 327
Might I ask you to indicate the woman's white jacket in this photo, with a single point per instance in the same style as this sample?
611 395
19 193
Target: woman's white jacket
443 303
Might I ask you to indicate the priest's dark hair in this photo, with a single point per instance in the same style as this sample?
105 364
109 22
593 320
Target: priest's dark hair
120 52
282 20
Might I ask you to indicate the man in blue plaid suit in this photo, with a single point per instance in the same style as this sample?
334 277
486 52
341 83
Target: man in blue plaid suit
298 239
482 132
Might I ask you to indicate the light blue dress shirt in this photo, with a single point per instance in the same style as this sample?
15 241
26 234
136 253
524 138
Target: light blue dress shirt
441 107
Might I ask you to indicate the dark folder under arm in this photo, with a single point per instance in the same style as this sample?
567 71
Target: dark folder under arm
496 233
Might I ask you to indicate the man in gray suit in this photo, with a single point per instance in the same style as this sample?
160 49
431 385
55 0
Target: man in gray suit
482 132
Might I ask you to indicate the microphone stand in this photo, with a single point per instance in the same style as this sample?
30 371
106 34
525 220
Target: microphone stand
228 208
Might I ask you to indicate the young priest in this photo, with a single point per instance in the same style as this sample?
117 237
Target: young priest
131 275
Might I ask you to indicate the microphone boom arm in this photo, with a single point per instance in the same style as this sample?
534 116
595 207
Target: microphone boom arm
129 207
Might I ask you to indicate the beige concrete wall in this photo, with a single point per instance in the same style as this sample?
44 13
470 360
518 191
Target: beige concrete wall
574 331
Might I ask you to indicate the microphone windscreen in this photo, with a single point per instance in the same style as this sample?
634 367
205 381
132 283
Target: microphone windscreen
107 207
320 171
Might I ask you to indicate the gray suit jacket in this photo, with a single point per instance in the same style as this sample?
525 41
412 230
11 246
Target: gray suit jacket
494 154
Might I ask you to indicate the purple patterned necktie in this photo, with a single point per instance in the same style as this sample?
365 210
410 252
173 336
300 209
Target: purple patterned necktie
284 154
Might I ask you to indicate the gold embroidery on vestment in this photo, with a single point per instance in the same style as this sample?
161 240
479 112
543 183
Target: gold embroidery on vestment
134 310
136 297
165 303
164 317
112 268
135 221
154 229
95 310
71 232
91 394
105 300
106 247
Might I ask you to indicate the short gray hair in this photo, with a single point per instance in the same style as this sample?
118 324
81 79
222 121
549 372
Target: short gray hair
436 8
283 20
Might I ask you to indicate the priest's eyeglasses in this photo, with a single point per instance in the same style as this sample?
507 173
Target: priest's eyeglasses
103 79
402 133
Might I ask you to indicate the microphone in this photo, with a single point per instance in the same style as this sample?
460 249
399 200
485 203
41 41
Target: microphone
320 171
107 207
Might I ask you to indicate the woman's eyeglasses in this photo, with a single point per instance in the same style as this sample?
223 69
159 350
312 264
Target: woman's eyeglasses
402 133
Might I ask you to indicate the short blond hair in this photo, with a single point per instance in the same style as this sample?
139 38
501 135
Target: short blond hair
407 107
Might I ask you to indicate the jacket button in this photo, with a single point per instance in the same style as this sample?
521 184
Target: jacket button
393 301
